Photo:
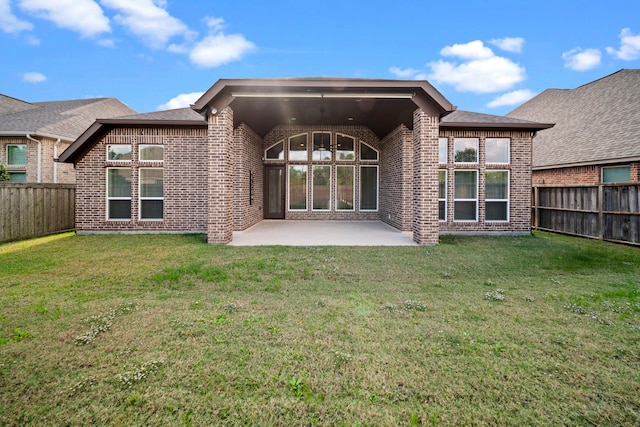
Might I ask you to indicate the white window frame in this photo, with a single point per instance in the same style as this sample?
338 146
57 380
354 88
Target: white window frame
306 159
268 159
313 187
486 151
130 198
20 165
446 150
141 146
508 199
116 160
141 199
443 199
306 186
477 141
355 143
366 161
328 150
353 196
377 167
466 200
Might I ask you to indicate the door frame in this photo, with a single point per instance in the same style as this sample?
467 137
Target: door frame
265 209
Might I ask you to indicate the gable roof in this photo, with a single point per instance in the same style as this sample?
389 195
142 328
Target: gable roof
178 117
598 122
57 119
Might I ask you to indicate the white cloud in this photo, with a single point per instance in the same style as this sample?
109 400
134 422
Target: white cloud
219 49
9 23
181 101
34 77
582 60
509 44
149 21
472 50
488 75
512 98
107 43
216 24
83 16
406 73
629 46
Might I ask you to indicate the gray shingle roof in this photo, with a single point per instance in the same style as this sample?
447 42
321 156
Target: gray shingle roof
595 123
461 118
167 115
63 119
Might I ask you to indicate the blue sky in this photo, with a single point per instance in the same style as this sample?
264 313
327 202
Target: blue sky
485 56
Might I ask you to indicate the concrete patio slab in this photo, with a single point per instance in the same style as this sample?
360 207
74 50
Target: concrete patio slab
322 233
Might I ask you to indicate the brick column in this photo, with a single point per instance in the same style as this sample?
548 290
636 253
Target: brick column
220 178
425 178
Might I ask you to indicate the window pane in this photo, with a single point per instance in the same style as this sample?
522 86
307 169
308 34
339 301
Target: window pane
151 183
118 152
466 184
321 146
344 148
442 184
151 209
464 210
442 210
616 174
18 176
119 209
119 182
276 152
496 211
442 150
368 188
298 187
497 185
497 150
321 187
466 150
152 152
298 147
367 152
344 187
16 155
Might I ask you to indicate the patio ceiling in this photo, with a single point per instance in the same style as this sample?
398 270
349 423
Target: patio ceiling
380 105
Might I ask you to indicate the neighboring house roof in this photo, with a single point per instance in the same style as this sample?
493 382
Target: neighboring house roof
57 119
596 123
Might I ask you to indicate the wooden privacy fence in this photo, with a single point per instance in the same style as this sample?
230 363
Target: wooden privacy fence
603 211
30 210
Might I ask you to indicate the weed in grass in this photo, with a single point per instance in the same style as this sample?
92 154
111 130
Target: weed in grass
415 305
495 295
340 359
101 323
139 373
82 386
231 307
19 335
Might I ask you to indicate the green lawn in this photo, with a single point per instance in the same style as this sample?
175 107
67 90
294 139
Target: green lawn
167 330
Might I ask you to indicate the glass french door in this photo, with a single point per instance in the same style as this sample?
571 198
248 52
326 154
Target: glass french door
274 199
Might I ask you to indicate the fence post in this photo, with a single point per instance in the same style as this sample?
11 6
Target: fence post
600 212
536 217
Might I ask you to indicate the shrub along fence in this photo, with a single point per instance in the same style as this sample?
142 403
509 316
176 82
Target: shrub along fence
31 210
604 211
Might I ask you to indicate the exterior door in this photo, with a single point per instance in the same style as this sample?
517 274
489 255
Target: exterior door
274 192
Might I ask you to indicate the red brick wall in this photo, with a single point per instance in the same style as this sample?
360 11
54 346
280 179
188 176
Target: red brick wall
247 202
185 186
578 175
396 183
519 186
425 178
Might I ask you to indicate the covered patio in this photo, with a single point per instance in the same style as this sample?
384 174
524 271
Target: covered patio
322 233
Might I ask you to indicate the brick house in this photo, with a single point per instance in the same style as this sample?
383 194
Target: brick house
596 137
32 135
310 148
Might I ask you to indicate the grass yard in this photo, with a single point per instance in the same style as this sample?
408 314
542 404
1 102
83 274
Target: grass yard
167 330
